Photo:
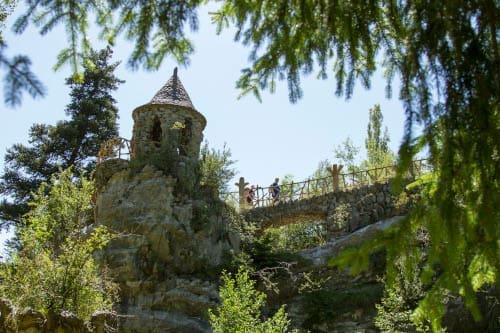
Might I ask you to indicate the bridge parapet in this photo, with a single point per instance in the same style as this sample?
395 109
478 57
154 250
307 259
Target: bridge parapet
258 197
341 211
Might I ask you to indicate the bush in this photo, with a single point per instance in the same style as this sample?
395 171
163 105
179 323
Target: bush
54 270
296 237
240 310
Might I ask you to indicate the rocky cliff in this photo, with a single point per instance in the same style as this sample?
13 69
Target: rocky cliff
165 251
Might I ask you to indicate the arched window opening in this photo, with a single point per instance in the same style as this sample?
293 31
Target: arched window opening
156 132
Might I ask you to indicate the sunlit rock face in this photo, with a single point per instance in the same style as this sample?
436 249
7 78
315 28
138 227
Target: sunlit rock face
162 257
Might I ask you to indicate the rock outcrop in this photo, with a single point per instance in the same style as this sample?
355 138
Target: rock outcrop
163 256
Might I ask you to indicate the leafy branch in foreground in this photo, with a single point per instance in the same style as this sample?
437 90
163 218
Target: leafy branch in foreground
438 265
155 27
18 78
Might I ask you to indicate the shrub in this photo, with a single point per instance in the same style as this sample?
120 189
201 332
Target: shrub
240 310
54 270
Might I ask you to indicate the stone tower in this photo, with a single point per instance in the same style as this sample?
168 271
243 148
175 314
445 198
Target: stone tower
169 121
167 239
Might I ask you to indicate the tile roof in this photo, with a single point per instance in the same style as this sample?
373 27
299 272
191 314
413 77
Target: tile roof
173 93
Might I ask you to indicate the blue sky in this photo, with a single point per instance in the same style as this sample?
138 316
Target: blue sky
267 139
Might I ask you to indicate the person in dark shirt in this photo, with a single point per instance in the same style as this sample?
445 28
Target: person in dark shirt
275 191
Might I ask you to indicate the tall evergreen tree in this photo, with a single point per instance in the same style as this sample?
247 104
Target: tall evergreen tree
74 142
376 143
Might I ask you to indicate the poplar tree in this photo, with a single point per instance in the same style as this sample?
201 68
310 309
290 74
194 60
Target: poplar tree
376 143
74 142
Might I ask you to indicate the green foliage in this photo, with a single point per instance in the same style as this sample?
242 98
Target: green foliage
376 144
155 27
296 237
346 154
449 87
241 307
341 216
400 300
419 267
325 306
54 269
444 53
288 38
216 168
325 184
286 187
74 142
18 78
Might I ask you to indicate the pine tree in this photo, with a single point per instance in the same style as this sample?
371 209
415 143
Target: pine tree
74 142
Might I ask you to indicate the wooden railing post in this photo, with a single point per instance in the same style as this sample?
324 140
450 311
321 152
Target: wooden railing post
335 172
241 191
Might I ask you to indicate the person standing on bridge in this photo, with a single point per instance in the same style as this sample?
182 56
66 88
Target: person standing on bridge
275 191
250 192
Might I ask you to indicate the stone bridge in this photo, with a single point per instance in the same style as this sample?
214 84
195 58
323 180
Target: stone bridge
341 211
345 202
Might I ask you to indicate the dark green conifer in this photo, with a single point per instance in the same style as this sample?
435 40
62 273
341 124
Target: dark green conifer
73 142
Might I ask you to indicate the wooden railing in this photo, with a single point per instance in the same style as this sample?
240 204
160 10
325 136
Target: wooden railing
262 196
114 148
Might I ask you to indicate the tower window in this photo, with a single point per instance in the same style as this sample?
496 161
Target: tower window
156 132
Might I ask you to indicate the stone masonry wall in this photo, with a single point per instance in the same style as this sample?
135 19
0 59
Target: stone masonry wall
167 115
344 211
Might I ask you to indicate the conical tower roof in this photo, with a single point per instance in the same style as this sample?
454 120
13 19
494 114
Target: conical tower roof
173 93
